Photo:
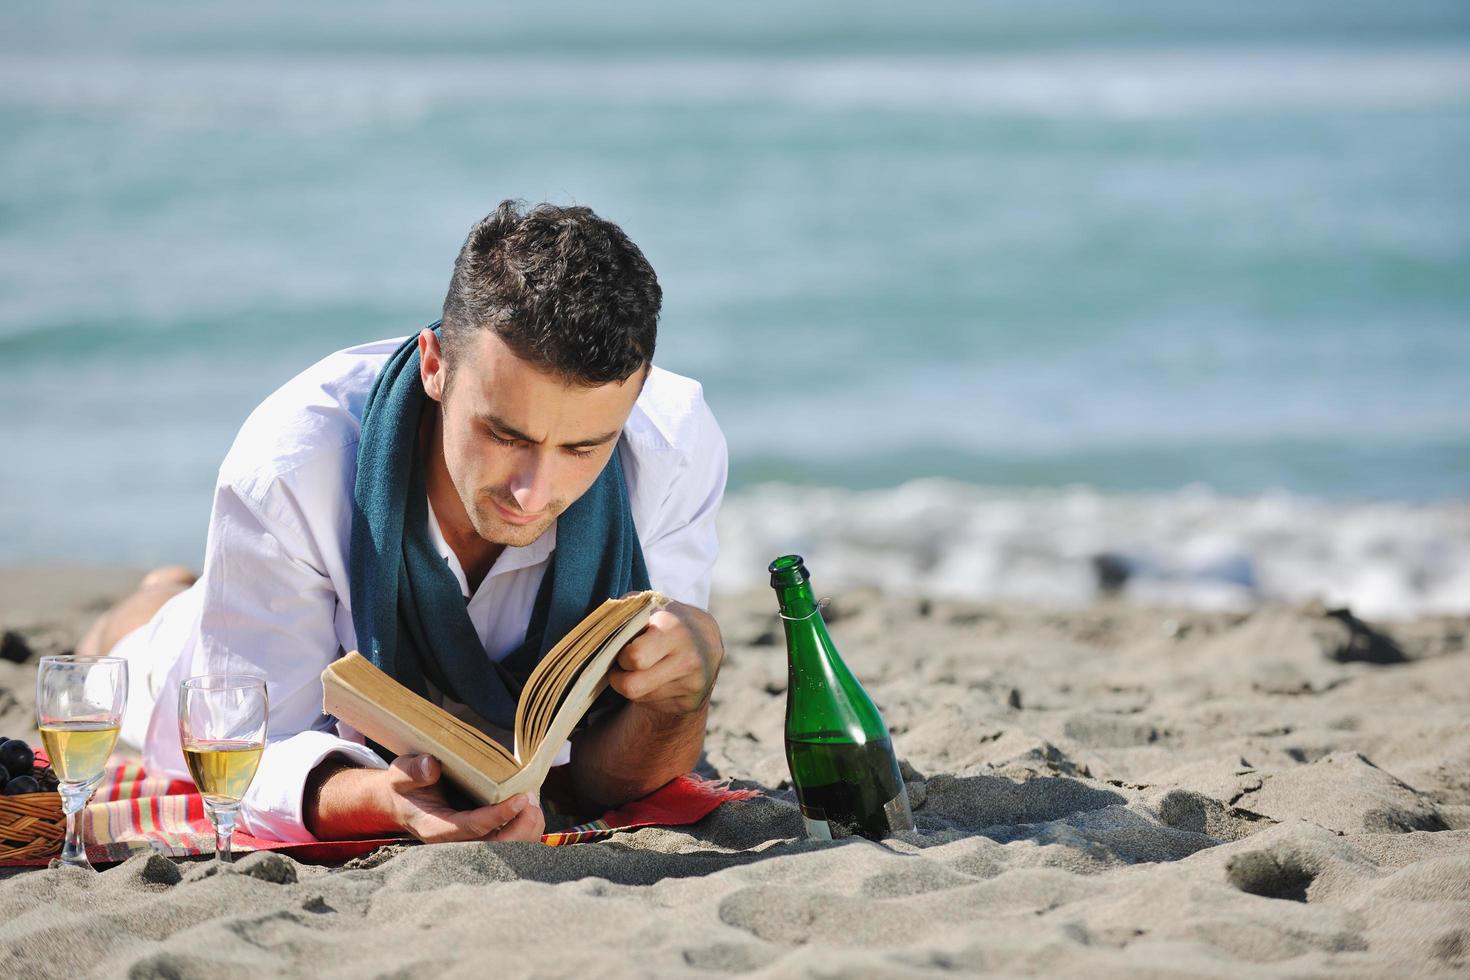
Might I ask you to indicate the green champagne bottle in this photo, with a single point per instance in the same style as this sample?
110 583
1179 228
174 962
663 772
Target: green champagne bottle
842 763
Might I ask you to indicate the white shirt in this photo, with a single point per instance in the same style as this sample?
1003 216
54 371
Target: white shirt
273 598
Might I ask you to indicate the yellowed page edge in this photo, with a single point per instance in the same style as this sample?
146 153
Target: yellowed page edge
563 662
563 648
588 685
356 672
404 737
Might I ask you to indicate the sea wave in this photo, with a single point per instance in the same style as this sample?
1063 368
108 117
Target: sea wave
1070 546
354 89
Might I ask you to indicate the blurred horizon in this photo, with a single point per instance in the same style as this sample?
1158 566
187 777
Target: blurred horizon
1131 252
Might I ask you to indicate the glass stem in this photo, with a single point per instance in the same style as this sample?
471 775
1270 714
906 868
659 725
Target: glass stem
74 797
223 818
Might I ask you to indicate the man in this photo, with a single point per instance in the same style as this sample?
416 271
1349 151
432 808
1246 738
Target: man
404 498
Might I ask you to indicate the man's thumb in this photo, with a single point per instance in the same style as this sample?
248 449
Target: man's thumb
416 770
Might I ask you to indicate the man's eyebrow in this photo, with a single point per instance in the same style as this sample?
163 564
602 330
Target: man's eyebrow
506 429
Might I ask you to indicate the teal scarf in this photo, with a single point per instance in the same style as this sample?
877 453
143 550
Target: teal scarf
407 606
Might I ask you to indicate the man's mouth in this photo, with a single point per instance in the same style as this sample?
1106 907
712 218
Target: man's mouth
514 516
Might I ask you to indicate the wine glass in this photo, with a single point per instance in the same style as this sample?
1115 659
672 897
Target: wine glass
222 719
79 708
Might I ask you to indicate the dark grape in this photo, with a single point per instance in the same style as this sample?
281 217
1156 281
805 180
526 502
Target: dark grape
16 756
47 778
4 775
22 784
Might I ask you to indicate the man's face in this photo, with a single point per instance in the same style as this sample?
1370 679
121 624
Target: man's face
520 445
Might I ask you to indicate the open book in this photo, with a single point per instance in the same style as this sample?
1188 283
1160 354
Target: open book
556 696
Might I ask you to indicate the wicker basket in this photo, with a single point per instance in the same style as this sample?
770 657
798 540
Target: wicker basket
32 825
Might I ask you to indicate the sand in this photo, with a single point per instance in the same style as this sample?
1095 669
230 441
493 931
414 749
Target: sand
1108 792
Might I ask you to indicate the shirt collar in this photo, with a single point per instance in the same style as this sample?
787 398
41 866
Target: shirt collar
511 558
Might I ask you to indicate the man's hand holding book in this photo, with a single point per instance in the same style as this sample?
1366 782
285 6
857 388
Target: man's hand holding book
666 672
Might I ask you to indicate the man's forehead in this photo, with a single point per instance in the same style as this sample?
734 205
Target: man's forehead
513 394
489 355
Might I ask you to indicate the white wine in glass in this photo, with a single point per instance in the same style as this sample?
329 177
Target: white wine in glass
79 750
222 723
222 768
79 708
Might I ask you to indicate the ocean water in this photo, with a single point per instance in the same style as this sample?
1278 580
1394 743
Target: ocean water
1186 283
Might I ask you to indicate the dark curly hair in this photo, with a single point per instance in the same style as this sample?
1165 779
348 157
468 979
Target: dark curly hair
564 289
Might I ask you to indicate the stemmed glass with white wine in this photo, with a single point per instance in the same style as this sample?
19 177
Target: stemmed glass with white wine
222 721
79 708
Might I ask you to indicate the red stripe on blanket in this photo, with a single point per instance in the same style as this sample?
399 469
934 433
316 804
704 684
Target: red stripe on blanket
134 813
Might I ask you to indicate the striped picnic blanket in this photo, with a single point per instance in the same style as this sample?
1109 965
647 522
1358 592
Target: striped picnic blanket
135 813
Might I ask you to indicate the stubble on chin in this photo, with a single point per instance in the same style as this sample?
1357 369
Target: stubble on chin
490 527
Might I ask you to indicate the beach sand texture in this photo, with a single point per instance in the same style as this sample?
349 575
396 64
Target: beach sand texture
1109 792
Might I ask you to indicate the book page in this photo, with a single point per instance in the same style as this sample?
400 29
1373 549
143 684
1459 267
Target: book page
576 692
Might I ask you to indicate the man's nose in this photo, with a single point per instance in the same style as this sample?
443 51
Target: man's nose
531 485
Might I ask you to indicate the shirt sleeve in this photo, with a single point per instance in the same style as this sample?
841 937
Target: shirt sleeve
267 608
681 547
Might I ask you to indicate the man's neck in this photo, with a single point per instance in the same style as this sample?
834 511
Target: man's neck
476 555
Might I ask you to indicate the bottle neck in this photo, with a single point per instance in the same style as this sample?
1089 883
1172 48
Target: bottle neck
823 698
807 640
797 602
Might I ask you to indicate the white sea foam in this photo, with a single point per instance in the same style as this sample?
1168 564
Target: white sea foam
350 90
1188 548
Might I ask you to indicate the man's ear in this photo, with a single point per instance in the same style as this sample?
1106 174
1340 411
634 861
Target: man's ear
432 370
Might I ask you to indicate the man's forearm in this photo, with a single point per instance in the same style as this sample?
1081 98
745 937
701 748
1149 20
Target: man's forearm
342 802
633 752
